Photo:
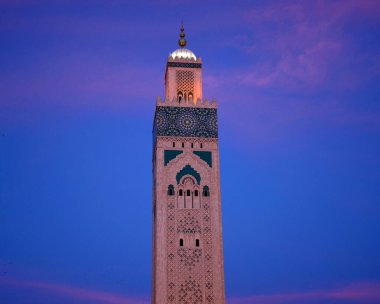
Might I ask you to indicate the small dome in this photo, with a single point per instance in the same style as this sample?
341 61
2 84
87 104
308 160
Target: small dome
183 54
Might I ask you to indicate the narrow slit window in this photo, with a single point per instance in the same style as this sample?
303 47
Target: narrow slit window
173 144
180 192
201 145
196 243
196 193
181 242
188 193
192 145
183 145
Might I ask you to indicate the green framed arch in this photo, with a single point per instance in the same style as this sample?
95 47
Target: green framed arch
188 170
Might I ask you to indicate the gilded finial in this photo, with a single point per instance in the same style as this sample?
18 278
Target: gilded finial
182 41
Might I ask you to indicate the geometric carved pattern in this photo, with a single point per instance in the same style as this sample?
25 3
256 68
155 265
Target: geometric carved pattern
187 260
207 241
185 82
189 224
194 285
171 266
189 256
190 292
186 122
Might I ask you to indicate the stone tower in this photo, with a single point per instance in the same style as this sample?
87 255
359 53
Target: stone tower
187 226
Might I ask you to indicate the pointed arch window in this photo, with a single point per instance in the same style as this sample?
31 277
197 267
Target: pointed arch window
179 96
171 190
206 191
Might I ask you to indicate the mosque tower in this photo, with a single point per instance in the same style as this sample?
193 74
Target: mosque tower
187 222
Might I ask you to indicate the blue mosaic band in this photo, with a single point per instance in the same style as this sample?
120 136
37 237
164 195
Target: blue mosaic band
186 122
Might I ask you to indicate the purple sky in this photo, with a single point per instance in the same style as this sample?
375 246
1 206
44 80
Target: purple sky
297 84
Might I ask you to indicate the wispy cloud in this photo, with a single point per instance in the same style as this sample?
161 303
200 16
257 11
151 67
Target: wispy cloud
358 292
304 61
73 292
355 293
74 75
307 44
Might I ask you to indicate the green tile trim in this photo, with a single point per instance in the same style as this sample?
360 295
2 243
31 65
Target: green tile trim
205 155
188 170
170 154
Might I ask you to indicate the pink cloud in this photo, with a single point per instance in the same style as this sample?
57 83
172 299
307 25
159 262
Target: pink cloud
73 292
355 292
358 292
76 80
303 52
307 43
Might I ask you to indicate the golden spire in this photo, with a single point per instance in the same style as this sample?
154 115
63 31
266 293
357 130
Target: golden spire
182 41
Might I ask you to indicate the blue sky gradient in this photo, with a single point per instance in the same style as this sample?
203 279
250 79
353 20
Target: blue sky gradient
299 124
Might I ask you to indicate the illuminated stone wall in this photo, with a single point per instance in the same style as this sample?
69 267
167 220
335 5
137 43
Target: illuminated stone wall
187 228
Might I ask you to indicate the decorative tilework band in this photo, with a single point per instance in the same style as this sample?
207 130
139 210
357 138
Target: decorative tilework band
186 122
184 65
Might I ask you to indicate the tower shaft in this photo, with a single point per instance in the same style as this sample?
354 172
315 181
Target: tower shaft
187 225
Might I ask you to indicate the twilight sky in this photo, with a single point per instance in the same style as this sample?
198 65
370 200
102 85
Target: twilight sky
297 84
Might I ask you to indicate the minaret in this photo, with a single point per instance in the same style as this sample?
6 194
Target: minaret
187 225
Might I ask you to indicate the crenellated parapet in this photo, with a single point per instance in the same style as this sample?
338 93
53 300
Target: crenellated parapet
176 102
184 59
